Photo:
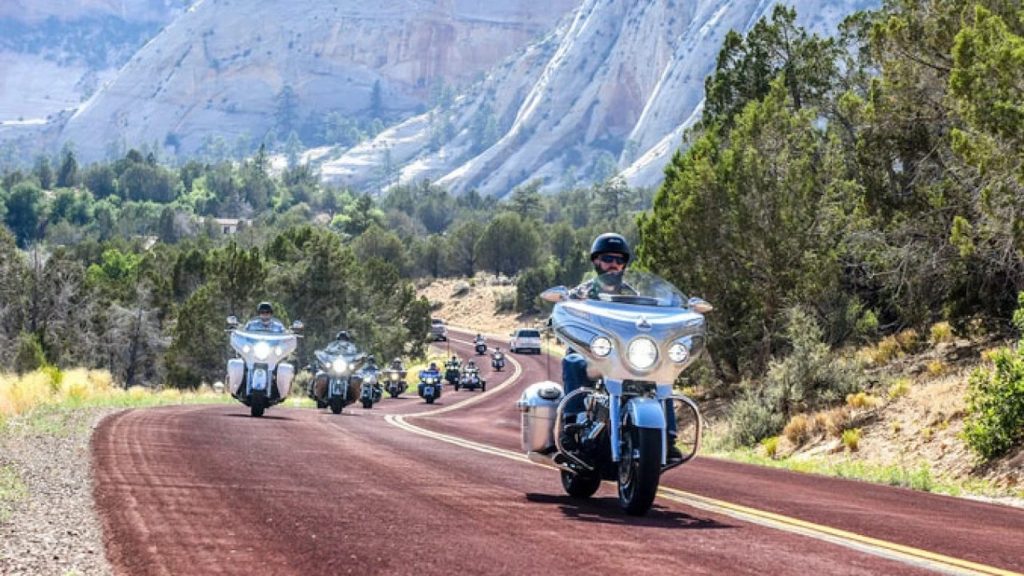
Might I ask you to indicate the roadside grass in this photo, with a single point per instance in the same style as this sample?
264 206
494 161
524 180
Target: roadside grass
918 477
37 401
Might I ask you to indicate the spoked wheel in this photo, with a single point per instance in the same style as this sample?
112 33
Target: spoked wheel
336 405
258 404
580 485
639 469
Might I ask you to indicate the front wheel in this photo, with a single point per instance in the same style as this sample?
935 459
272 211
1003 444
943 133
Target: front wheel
336 405
430 399
257 404
367 404
639 469
580 485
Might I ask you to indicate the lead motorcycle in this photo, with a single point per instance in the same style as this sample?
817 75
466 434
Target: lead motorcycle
636 343
259 377
334 385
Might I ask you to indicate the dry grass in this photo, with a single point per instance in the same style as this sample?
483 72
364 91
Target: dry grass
908 340
798 429
862 400
936 368
899 388
771 446
940 332
834 421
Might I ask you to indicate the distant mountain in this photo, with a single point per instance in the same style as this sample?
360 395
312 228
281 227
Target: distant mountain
56 53
610 90
236 70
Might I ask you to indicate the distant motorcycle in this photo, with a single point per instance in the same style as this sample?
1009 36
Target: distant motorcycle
452 372
334 385
430 385
259 378
394 382
471 380
370 390
497 361
480 346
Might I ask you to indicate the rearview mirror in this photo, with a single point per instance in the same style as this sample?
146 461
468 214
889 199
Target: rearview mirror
556 294
298 326
232 321
699 305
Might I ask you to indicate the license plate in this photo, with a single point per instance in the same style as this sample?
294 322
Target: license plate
259 379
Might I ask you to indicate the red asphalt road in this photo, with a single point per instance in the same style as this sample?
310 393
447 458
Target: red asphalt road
210 490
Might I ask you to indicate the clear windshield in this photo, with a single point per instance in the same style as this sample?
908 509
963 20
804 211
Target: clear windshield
634 287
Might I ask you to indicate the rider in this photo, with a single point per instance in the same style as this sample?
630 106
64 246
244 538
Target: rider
396 364
342 344
610 255
265 321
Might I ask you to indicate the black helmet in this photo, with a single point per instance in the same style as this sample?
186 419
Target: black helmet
343 335
610 242
433 365
264 307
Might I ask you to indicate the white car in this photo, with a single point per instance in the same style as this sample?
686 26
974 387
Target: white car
525 339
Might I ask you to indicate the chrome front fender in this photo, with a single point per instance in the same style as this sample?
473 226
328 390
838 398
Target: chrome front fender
646 413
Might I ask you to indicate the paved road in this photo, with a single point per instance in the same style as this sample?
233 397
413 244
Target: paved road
407 488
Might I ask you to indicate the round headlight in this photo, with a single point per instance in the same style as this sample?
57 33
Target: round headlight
339 365
246 349
601 346
261 350
678 353
642 353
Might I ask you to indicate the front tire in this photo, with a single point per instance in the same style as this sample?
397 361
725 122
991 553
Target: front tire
639 469
258 404
367 404
336 406
580 485
430 400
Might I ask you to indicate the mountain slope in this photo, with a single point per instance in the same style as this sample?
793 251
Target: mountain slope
611 89
221 70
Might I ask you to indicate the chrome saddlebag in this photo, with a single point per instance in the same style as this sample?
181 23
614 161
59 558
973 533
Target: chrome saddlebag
539 406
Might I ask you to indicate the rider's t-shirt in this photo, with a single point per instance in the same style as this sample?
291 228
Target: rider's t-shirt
256 325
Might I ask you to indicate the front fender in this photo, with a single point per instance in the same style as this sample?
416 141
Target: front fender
646 413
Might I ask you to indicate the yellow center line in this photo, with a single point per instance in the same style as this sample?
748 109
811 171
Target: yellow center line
875 546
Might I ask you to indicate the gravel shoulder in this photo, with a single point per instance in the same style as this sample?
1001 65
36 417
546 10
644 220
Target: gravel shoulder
53 529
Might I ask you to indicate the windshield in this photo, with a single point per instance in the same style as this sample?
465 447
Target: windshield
633 287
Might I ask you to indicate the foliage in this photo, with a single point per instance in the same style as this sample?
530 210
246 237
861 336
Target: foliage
995 401
29 356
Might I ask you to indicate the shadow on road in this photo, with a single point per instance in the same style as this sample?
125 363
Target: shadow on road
607 511
264 417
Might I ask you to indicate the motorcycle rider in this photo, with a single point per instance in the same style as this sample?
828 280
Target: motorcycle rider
265 321
396 364
610 255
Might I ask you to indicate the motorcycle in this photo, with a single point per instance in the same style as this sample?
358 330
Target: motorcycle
452 373
334 384
638 343
481 347
258 377
497 361
470 380
430 385
370 390
395 382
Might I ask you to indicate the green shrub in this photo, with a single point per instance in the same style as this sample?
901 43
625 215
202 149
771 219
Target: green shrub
995 405
751 419
29 356
940 332
851 439
771 446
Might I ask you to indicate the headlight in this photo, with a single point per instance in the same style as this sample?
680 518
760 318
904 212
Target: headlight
246 349
601 346
394 375
261 350
339 365
642 353
678 353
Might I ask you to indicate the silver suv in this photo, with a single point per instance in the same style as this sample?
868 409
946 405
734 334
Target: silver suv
438 331
525 339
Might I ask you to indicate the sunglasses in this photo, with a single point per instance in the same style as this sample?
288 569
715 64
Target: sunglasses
609 259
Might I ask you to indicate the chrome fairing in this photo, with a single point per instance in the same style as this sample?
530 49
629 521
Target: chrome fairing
263 347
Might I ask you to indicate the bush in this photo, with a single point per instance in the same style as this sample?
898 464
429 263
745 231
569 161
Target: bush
936 368
908 340
995 405
862 400
29 356
771 446
851 439
798 430
505 301
751 420
899 388
940 332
